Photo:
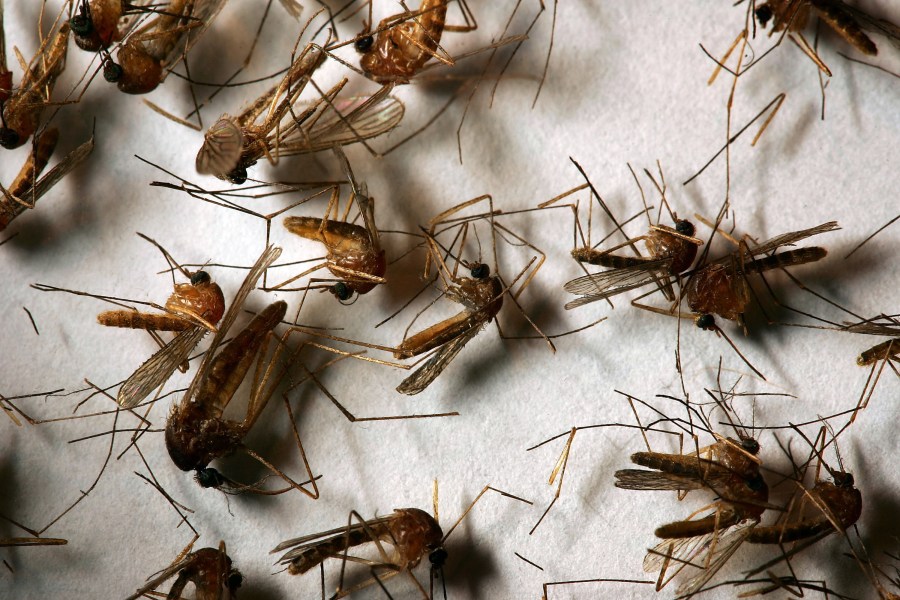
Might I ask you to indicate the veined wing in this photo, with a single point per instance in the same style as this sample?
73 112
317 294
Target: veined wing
157 369
434 366
202 14
640 479
784 239
599 286
60 170
302 544
268 256
345 121
705 554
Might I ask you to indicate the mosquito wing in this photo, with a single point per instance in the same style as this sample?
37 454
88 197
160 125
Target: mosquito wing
792 237
268 256
639 479
221 149
60 170
302 544
434 366
346 121
157 369
599 286
201 14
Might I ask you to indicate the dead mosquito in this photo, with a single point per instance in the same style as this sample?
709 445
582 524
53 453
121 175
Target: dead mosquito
98 24
27 188
208 569
403 43
412 533
150 52
271 127
21 106
355 255
192 310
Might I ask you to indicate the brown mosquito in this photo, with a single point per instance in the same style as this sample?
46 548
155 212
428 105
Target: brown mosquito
403 43
192 310
208 569
196 431
412 533
672 251
271 127
98 24
27 188
355 254
21 106
150 52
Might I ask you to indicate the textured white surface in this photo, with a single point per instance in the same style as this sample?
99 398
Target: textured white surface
627 84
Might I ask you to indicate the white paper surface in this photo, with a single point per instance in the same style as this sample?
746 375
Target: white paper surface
627 84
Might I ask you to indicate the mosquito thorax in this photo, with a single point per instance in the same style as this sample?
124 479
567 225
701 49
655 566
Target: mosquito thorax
341 291
480 271
209 478
8 138
438 557
200 277
706 322
685 228
364 44
112 71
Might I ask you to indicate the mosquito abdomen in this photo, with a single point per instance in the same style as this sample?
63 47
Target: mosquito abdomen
845 24
138 320
789 258
328 548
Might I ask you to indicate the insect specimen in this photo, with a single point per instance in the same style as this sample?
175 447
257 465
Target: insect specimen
196 431
720 287
150 52
192 310
34 540
403 43
793 15
672 251
354 251
271 127
208 569
26 188
412 533
100 23
21 106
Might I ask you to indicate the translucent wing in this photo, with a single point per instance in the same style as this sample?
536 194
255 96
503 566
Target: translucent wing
714 556
346 121
201 14
786 239
302 544
61 169
599 286
268 256
221 148
640 479
157 369
434 366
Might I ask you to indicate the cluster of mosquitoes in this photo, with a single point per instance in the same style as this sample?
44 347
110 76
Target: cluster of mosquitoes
138 43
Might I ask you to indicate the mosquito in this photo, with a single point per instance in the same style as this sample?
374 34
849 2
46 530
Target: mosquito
355 254
208 569
150 52
26 189
196 431
672 251
192 310
403 43
21 106
98 24
412 533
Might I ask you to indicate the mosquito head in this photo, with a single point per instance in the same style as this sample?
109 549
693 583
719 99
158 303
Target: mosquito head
342 292
842 479
706 322
209 478
480 271
200 277
81 24
684 228
437 558
750 445
112 71
8 138
234 581
238 175
764 14
364 44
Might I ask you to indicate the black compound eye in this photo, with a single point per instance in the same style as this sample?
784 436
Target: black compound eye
341 291
684 228
112 71
200 277
238 176
764 14
363 45
750 445
209 478
81 25
480 271
438 557
235 579
8 137
843 480
706 322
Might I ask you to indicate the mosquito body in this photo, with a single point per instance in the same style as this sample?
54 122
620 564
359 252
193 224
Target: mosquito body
793 15
101 23
208 569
